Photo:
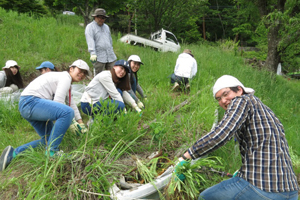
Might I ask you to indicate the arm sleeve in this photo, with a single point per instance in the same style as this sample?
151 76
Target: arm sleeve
2 79
140 90
62 90
128 99
133 96
110 87
75 108
89 35
233 119
194 68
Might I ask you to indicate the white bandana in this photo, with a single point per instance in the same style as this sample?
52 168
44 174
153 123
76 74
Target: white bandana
226 81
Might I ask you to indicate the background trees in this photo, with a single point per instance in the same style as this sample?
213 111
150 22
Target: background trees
271 25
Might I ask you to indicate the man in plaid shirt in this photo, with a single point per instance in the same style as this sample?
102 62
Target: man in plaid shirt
266 171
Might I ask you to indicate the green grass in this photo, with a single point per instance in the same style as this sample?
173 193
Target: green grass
99 157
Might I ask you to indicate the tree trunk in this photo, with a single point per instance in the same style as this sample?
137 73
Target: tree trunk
273 53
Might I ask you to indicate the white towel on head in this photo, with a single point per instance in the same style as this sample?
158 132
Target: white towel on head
226 81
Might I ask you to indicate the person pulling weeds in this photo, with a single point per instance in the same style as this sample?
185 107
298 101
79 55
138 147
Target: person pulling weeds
130 96
105 91
42 102
266 171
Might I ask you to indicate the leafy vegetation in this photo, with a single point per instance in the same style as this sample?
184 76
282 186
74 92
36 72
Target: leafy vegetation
94 161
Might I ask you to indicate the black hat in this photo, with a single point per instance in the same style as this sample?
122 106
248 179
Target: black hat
124 64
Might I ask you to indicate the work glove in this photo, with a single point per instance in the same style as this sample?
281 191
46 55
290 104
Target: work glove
82 128
137 109
77 128
181 162
93 59
73 127
14 87
6 90
140 104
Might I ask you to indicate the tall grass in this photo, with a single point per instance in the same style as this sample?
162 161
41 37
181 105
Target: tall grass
95 157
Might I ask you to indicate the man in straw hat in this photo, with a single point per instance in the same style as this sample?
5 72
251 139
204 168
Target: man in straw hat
185 69
266 171
99 41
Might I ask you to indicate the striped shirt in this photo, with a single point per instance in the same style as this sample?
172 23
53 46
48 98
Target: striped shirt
266 162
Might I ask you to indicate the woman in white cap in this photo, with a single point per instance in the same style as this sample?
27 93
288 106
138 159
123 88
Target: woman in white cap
266 171
10 77
106 88
132 99
44 101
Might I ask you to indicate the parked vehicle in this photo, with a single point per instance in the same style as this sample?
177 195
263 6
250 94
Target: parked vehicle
161 40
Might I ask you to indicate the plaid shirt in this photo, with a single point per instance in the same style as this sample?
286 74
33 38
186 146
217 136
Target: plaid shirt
266 162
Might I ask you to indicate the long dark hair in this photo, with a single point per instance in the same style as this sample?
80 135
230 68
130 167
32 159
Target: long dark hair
133 74
13 79
121 83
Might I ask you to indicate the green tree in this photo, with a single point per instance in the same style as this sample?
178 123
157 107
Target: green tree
281 21
24 6
85 7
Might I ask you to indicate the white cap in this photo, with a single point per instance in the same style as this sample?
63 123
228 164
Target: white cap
10 63
82 65
226 81
135 58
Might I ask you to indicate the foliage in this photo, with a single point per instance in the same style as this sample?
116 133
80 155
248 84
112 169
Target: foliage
195 179
30 7
97 158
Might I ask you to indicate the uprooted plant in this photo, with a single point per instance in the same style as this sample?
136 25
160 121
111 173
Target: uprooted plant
197 177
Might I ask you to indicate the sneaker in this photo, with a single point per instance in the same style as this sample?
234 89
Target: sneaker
175 87
6 157
187 87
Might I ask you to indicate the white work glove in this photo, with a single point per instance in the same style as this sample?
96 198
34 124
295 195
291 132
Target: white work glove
93 58
82 128
137 109
77 128
140 104
14 87
6 90
73 127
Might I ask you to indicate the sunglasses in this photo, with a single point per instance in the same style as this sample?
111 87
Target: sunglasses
101 17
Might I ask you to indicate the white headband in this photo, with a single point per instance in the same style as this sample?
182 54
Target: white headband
226 81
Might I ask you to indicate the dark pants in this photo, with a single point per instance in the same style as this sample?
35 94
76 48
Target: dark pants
180 80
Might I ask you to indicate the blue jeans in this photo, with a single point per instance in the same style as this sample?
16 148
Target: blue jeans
41 113
239 189
97 107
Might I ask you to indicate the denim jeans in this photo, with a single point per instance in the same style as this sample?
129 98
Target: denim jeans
239 189
41 113
97 107
180 80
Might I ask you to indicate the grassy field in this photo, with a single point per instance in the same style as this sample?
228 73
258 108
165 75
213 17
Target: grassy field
98 158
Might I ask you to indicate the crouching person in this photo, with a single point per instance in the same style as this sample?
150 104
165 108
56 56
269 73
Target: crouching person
266 171
106 89
42 102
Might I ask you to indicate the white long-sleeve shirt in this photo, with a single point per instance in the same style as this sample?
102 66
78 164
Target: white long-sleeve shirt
3 79
100 88
53 86
99 42
186 66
